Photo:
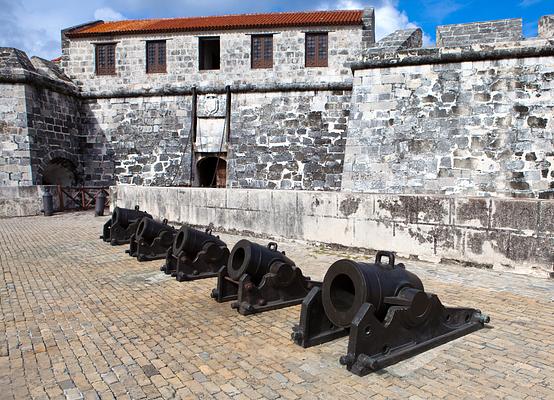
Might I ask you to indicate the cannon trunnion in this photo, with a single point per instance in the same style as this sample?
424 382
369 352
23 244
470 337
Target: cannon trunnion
384 310
123 224
151 240
260 279
195 255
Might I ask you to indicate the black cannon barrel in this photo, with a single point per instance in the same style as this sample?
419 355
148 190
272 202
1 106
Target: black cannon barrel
349 284
148 229
254 259
124 216
192 240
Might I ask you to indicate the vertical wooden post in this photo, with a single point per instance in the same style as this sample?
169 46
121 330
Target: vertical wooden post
60 196
228 113
193 132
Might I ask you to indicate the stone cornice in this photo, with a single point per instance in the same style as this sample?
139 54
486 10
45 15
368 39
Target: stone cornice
446 55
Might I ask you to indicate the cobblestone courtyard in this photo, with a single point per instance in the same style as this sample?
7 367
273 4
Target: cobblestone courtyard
82 319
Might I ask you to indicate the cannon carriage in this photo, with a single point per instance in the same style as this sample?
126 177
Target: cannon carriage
384 310
122 225
195 255
259 278
151 240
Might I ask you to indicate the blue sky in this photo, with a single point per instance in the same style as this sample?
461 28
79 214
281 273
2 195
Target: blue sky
34 25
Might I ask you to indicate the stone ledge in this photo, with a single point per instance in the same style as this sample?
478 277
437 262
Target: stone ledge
444 55
251 88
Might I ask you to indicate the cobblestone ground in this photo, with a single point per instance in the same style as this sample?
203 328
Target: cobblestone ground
82 319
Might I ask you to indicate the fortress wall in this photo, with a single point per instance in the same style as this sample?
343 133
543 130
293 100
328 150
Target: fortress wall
474 121
15 158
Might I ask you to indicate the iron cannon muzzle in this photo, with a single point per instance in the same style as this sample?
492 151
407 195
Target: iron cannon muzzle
255 260
348 284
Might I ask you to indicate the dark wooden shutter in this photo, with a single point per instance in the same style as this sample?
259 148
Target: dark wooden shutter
262 51
317 49
105 59
155 56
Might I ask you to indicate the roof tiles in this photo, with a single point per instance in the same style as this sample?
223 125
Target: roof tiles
223 22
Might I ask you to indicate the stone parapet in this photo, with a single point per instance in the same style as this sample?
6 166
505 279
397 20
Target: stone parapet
502 234
546 27
488 32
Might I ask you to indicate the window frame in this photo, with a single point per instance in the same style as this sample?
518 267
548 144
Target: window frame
156 67
317 60
106 69
261 62
202 40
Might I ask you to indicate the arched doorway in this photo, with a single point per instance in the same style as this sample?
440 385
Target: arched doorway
59 171
212 172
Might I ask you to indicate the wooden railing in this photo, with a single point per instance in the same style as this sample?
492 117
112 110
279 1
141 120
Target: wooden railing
80 198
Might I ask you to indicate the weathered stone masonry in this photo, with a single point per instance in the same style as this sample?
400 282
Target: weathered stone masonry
475 121
40 119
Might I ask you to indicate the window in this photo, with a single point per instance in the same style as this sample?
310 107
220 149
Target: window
316 49
208 49
105 59
155 56
262 51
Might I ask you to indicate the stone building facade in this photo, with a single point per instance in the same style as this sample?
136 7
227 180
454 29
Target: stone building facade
471 116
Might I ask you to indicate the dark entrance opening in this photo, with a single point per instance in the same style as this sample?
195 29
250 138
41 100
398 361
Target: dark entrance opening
212 172
208 53
59 171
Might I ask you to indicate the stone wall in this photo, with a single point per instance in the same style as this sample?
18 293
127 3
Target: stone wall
288 140
473 122
488 32
278 139
23 201
504 234
345 46
138 140
39 118
15 158
54 129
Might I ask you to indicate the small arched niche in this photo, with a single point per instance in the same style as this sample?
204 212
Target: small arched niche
211 172
59 171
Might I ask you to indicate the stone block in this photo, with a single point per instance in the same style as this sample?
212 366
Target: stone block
546 218
318 203
433 210
396 208
514 214
472 212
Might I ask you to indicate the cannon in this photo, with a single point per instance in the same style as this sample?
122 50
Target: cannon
151 240
123 224
384 310
260 279
195 255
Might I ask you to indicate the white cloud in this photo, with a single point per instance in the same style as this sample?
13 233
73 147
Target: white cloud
108 14
527 3
388 17
34 25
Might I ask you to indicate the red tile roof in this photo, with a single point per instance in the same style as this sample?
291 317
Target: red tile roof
223 22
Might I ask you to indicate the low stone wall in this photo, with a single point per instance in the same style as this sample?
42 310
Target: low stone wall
22 201
504 234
